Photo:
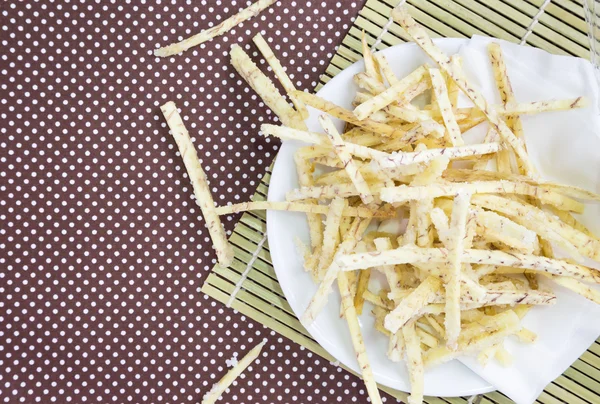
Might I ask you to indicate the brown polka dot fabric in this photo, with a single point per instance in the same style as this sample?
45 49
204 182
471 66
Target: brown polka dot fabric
102 248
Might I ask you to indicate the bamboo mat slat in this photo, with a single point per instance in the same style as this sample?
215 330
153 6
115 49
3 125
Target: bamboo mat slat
561 29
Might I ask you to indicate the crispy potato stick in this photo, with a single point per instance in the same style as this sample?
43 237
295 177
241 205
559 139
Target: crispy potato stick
369 83
418 34
400 158
219 388
405 193
371 66
359 211
199 183
215 31
535 107
435 325
420 132
541 222
445 107
331 234
506 231
412 304
282 76
264 87
476 338
426 337
363 284
320 298
305 178
487 354
503 357
385 68
340 148
357 339
458 232
409 255
379 314
390 95
347 116
414 362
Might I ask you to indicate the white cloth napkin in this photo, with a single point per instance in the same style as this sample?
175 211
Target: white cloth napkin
565 147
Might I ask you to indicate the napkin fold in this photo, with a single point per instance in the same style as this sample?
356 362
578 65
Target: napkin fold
565 147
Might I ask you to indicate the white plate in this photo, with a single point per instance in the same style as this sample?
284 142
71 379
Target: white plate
329 330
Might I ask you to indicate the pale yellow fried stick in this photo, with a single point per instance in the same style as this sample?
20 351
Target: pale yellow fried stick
347 116
412 304
403 193
445 107
279 71
409 255
331 234
219 388
215 31
458 233
418 34
491 298
358 211
542 223
414 362
264 87
453 90
386 69
357 339
404 158
305 171
320 298
396 346
475 338
371 67
462 175
502 229
199 183
339 146
363 283
390 95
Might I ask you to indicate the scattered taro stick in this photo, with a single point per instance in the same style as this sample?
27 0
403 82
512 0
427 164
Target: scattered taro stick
279 71
305 171
215 31
507 97
404 193
357 339
386 69
331 235
418 35
219 388
320 298
371 67
404 158
396 347
199 184
414 362
391 94
458 232
349 211
344 155
264 87
341 113
445 107
410 306
413 255
544 224
363 283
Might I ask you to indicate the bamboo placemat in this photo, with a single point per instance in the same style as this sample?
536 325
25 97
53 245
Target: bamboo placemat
556 26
